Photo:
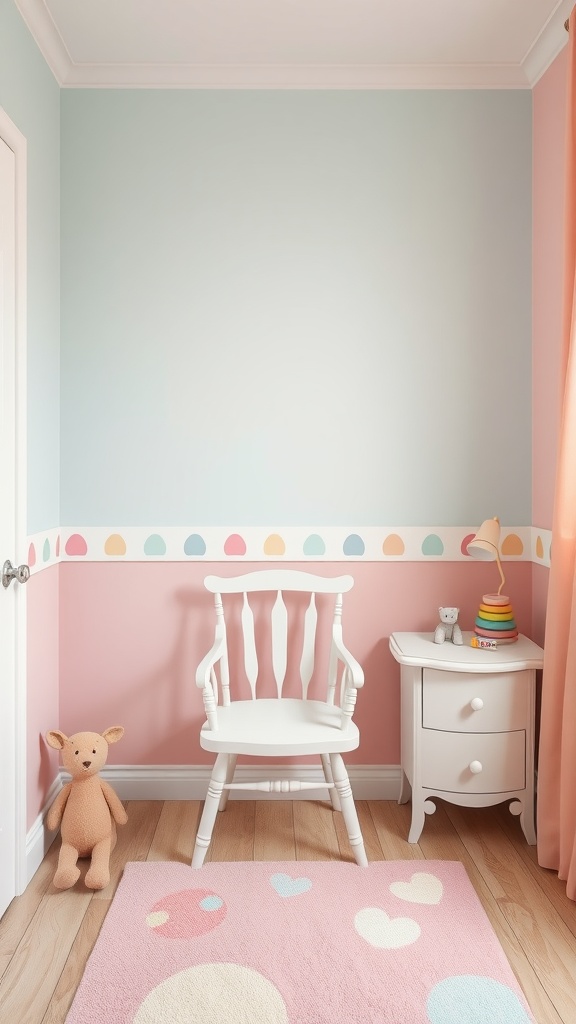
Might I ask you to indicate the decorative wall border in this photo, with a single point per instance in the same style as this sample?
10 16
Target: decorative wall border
289 544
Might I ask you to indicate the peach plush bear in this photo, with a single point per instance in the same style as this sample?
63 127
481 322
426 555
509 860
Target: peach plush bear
86 809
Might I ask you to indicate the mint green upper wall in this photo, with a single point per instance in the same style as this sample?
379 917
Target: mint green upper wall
296 308
31 97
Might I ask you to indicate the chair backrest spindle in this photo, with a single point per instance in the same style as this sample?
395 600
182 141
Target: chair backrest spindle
308 645
250 654
279 627
224 668
333 666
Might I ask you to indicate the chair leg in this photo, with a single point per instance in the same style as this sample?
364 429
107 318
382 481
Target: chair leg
232 758
334 798
348 809
215 788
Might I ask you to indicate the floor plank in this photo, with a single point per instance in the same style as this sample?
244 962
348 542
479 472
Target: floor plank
74 967
233 835
548 881
22 910
175 832
314 831
33 972
392 823
274 830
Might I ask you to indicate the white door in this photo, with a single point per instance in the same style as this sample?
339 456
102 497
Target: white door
12 510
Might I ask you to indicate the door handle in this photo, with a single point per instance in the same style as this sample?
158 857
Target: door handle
9 573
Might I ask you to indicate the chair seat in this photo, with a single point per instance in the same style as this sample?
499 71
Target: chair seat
280 728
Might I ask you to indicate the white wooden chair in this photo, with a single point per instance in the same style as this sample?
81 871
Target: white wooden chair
273 724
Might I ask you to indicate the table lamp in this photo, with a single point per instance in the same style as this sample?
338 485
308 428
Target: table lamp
495 618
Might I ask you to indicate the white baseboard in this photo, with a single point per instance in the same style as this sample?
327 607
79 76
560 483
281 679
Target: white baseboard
39 839
190 782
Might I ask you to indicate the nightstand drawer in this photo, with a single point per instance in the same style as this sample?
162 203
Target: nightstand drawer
462 702
480 763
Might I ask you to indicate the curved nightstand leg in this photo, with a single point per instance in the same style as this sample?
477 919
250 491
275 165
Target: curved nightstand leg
405 788
525 808
420 808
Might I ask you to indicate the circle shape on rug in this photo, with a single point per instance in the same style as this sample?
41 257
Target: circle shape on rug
474 999
186 914
214 994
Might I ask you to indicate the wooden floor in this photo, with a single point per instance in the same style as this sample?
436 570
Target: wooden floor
46 936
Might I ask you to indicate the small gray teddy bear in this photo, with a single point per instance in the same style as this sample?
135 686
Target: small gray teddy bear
448 628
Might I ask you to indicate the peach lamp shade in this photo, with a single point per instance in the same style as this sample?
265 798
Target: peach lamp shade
486 545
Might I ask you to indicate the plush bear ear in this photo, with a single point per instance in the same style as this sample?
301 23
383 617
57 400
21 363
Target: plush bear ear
56 739
113 734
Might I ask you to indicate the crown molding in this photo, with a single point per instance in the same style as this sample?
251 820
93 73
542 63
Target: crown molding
550 42
70 75
301 76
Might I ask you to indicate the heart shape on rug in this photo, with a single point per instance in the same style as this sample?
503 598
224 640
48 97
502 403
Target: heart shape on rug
384 932
422 888
286 886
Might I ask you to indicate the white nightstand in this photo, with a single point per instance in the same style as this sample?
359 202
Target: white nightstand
467 725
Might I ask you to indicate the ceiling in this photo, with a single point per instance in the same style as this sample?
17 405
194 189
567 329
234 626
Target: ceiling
349 44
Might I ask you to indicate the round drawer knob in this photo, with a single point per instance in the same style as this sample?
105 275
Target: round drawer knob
477 704
475 767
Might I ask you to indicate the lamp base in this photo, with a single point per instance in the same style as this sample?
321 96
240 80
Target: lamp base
495 619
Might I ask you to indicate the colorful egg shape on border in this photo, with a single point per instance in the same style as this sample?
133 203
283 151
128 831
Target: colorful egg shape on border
195 545
393 545
274 545
235 545
115 545
155 545
314 546
512 545
354 545
76 545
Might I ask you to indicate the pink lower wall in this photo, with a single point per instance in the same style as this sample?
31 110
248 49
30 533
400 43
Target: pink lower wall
132 634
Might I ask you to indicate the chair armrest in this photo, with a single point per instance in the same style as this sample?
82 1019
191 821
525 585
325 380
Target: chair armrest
207 664
356 672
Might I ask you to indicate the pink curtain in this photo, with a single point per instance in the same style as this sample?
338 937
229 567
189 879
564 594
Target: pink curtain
557 753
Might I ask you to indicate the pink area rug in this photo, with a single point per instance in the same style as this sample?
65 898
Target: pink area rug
399 942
